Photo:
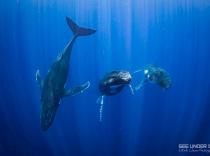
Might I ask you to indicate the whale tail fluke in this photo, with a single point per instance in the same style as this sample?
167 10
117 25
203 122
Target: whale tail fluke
79 31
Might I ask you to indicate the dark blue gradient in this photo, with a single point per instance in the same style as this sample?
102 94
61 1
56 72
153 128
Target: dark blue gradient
174 35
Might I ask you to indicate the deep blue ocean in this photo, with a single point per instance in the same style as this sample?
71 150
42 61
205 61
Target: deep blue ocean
173 34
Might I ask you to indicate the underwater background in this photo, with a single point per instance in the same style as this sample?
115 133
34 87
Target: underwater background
174 35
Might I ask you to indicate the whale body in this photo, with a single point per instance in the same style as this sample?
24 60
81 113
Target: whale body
53 86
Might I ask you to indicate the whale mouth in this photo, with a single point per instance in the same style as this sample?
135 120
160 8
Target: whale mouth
115 86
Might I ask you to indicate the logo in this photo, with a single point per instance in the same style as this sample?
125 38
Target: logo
194 148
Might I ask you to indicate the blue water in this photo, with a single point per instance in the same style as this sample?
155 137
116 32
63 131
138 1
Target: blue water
130 34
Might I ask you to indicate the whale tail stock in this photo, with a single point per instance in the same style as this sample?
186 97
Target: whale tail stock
77 30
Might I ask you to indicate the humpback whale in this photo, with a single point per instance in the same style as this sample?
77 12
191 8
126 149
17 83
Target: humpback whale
53 86
111 84
156 75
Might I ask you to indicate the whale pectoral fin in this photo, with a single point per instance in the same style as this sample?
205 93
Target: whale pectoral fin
100 101
137 71
39 79
131 89
76 90
141 84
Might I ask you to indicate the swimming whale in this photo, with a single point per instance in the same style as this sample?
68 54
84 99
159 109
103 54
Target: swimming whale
156 75
111 84
53 86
